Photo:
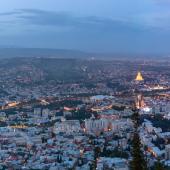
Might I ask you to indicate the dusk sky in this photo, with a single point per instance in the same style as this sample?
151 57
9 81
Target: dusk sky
128 26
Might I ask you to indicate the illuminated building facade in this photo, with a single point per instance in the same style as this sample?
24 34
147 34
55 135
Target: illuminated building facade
139 101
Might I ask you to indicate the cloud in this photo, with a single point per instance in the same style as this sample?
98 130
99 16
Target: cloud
156 20
66 21
47 18
63 19
41 28
10 13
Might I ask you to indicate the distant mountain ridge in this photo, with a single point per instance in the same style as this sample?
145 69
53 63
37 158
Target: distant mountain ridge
39 52
12 52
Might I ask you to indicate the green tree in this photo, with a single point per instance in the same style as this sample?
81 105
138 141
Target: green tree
97 152
135 118
138 161
158 166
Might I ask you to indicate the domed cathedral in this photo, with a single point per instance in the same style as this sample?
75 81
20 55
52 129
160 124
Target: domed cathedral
139 77
138 81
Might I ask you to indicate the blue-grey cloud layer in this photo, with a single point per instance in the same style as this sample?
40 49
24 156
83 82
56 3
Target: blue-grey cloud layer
52 29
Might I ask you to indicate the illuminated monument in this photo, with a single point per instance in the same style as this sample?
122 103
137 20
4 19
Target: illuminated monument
139 77
139 102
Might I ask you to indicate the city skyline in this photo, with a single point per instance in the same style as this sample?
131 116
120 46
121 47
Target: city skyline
84 85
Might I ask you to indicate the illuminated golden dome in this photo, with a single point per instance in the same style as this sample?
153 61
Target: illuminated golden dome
139 77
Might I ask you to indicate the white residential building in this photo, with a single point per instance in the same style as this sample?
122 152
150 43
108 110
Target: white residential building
67 126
